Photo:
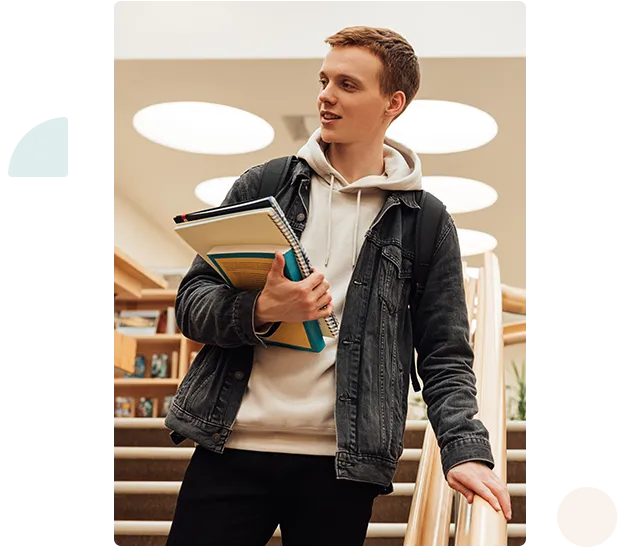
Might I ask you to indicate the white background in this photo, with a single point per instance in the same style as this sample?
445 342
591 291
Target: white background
56 269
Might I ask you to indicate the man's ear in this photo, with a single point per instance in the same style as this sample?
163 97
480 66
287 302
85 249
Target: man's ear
397 103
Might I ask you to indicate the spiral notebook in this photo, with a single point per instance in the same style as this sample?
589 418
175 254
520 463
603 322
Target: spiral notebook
254 223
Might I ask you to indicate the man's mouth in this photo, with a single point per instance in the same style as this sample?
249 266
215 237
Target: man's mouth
328 116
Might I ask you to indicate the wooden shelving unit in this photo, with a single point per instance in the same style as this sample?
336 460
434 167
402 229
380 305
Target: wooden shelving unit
151 295
131 278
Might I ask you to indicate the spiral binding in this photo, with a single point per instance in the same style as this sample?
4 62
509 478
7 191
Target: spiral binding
301 257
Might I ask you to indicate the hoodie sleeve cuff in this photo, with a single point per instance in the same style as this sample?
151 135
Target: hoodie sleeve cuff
264 329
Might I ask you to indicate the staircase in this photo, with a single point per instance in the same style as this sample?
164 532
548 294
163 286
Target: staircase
148 471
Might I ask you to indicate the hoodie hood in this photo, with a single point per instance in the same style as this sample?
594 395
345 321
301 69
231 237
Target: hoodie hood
402 166
402 171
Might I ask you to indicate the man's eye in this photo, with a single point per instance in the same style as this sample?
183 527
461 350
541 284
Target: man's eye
346 85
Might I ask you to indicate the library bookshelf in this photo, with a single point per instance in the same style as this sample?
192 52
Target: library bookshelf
180 350
142 391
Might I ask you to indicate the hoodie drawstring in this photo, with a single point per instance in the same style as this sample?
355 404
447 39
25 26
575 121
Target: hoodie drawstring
330 210
358 198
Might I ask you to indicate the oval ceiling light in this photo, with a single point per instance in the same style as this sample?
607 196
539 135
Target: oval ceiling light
442 127
213 191
473 243
203 128
460 195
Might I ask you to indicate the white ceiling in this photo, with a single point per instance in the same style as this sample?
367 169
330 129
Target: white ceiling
296 30
217 52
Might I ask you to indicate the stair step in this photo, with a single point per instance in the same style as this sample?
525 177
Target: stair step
152 432
178 453
172 487
156 500
174 470
159 423
375 530
142 496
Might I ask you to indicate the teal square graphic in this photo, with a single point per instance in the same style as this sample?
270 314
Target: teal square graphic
44 154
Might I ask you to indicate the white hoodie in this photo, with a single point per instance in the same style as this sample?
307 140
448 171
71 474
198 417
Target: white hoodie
290 399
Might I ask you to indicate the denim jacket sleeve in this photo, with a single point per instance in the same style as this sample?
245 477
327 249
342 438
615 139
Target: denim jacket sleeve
207 309
445 357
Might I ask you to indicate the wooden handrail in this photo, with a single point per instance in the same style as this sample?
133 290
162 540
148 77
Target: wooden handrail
514 333
430 510
479 523
513 299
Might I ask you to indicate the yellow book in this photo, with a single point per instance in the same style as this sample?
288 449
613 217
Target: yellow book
246 267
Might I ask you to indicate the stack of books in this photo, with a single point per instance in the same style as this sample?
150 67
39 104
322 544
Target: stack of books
239 241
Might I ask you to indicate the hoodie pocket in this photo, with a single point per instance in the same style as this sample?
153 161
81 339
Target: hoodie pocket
395 270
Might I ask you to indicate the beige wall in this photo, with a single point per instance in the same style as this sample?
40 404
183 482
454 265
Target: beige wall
143 240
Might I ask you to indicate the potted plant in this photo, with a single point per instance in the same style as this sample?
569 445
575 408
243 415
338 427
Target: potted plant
519 399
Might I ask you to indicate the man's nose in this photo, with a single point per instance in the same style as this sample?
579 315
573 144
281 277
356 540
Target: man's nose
326 95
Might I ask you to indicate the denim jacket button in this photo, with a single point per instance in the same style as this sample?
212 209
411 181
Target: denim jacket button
216 437
300 217
239 375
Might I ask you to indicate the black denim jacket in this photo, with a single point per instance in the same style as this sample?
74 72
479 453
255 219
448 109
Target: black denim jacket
378 332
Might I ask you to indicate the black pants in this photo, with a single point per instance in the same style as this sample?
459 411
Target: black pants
240 496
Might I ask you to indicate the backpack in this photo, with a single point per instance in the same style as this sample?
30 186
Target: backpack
274 176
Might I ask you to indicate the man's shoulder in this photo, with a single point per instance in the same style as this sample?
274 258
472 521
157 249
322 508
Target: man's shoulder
298 166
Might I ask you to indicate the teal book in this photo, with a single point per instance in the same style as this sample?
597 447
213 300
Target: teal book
246 267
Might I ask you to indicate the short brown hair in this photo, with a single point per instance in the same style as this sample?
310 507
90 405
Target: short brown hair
401 70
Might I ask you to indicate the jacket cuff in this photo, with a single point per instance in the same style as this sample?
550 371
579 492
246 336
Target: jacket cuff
464 450
243 317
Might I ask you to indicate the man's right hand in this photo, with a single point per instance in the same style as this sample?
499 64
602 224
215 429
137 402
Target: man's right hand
292 301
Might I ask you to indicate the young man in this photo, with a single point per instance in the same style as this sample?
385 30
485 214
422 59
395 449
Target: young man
307 440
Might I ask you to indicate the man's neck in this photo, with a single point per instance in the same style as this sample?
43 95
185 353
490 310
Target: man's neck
357 160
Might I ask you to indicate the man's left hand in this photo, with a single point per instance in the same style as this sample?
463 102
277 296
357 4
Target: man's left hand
472 478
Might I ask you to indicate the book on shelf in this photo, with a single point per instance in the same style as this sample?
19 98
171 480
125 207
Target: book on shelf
170 327
124 407
140 367
159 365
239 241
138 322
145 408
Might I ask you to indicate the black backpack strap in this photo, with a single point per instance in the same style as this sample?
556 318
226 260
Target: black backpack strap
427 224
426 231
274 176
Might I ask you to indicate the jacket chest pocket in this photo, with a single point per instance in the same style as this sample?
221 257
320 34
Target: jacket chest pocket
395 274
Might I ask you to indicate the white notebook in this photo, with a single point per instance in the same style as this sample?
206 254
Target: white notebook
259 222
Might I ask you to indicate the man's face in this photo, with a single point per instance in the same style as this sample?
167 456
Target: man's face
349 87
